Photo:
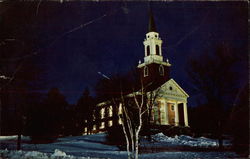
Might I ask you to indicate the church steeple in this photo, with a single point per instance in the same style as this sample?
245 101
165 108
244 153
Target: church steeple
151 24
154 68
153 42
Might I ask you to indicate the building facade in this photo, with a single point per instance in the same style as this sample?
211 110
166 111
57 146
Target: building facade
171 99
170 102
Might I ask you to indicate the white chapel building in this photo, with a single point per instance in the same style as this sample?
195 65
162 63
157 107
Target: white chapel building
170 106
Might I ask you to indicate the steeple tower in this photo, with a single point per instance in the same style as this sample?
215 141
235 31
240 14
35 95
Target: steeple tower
151 24
154 69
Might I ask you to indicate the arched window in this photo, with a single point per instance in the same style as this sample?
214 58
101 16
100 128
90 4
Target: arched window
161 70
157 50
148 50
145 71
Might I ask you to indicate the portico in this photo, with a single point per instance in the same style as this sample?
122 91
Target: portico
171 107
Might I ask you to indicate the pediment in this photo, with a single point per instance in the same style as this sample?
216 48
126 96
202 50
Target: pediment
172 88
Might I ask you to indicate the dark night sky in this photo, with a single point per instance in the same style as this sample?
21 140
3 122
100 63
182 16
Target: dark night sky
112 33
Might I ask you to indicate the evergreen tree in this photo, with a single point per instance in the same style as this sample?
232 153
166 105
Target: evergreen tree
48 119
84 112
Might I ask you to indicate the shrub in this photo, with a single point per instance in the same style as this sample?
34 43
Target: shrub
116 136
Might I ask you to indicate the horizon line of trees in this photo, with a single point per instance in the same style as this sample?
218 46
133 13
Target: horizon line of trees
45 117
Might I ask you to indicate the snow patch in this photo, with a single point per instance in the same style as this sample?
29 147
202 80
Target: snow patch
58 153
185 140
35 154
13 137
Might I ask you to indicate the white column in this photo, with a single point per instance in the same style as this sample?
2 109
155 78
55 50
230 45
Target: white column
176 114
156 115
185 114
163 112
166 108
160 49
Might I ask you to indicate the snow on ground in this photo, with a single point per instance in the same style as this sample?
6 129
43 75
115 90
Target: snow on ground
160 142
184 140
93 146
37 155
14 137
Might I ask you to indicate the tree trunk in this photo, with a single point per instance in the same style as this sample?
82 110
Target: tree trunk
137 135
220 139
126 137
220 142
19 141
136 146
148 125
20 128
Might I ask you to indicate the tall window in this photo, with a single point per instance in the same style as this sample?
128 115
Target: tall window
148 50
161 70
110 111
94 127
157 50
120 121
145 71
120 109
110 123
102 126
102 113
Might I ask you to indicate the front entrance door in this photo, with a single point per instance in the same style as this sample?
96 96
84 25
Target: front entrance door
171 114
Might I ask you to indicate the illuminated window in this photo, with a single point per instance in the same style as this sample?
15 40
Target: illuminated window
110 123
148 50
145 71
120 109
102 113
120 121
110 111
94 127
102 125
157 50
94 115
161 70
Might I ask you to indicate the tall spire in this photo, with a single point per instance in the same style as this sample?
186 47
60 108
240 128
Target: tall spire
151 24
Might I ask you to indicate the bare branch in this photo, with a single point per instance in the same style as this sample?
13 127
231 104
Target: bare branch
136 101
4 77
38 5
13 75
126 137
144 111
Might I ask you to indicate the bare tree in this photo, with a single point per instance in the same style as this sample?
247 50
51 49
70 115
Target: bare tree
150 99
214 77
134 106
